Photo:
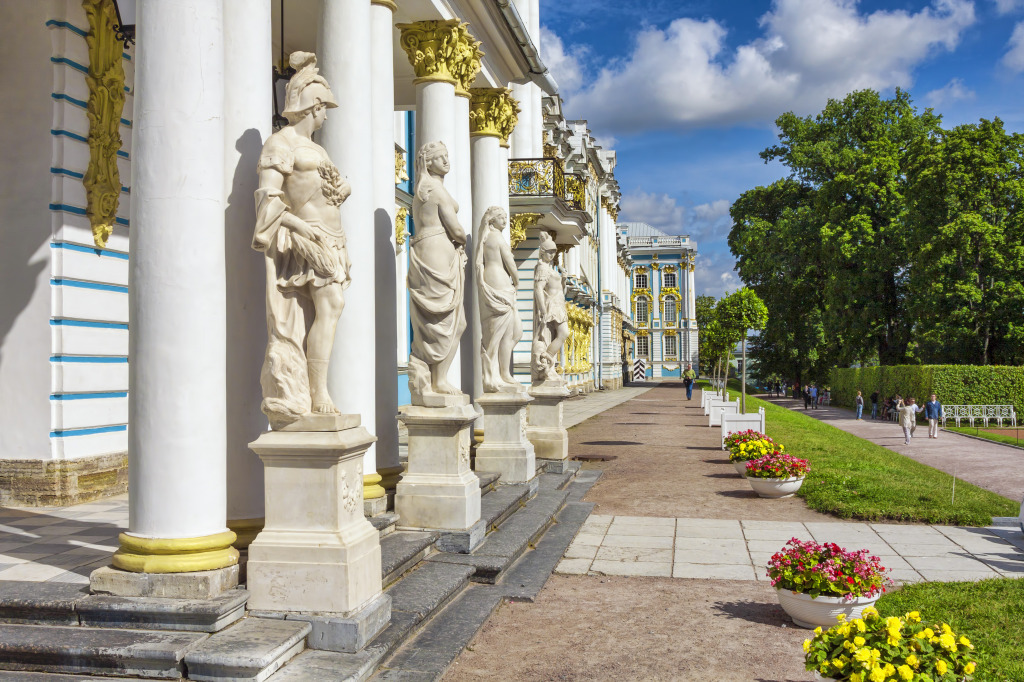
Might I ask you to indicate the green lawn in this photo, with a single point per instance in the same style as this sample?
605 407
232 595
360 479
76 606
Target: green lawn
989 613
999 438
856 479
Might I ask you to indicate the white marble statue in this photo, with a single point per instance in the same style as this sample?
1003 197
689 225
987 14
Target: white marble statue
437 274
497 281
298 228
550 320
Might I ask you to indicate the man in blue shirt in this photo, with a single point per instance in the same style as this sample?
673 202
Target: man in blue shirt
814 397
933 412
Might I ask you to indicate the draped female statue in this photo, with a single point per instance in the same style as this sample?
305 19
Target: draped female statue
437 273
298 229
497 280
550 320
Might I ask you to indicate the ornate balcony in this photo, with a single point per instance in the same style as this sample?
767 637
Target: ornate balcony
545 178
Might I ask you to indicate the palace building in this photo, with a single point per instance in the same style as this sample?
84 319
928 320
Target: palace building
133 325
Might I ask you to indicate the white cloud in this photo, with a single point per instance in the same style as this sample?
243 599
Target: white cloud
1014 57
564 65
715 274
952 91
1007 6
709 221
685 76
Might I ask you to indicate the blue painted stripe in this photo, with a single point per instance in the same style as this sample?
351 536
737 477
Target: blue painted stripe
88 396
70 27
70 62
78 176
88 323
75 136
77 210
89 249
67 433
90 359
79 284
80 103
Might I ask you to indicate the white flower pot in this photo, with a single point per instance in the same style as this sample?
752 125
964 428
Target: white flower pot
741 466
810 612
775 487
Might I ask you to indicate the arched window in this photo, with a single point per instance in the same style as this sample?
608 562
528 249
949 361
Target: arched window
643 310
670 310
640 280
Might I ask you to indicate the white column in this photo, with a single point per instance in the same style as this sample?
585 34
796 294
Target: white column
344 55
247 125
177 397
490 176
382 105
462 170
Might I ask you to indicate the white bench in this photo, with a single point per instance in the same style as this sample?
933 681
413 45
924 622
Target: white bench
733 423
999 413
718 407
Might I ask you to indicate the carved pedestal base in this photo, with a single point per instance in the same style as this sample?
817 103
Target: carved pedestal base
544 427
317 553
438 490
506 449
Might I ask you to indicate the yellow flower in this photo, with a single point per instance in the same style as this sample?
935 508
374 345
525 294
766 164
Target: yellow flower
941 667
929 633
859 641
969 668
914 616
817 630
838 663
841 617
905 672
861 627
889 670
870 611
947 642
912 660
856 677
807 646
966 642
877 675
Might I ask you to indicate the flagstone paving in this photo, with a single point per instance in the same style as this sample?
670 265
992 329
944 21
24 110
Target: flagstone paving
720 549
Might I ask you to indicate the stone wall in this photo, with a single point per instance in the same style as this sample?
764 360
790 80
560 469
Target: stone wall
57 483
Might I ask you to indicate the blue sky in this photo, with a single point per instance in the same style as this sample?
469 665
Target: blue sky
687 91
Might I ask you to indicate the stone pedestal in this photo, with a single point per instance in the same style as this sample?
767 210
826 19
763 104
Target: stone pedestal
544 427
317 557
439 491
506 449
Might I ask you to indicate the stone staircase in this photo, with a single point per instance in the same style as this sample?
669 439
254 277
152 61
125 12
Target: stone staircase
53 632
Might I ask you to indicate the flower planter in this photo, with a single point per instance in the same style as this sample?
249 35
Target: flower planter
811 612
775 487
741 466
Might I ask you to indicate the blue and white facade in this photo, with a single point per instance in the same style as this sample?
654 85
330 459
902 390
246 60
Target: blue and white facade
662 298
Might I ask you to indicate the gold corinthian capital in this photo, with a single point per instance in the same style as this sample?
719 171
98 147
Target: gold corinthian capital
441 50
493 112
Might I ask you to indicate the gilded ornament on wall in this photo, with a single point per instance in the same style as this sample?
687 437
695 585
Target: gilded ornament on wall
466 60
105 81
519 223
400 173
401 219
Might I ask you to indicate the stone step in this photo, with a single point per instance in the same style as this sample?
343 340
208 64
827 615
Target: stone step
78 650
402 550
511 539
33 603
502 503
253 650
384 523
12 676
488 481
558 480
414 599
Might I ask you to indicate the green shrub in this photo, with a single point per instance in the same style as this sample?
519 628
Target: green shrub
953 384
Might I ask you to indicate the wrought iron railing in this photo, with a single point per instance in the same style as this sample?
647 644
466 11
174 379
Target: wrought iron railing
545 178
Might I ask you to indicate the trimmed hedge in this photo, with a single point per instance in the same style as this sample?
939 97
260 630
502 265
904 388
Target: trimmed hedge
953 384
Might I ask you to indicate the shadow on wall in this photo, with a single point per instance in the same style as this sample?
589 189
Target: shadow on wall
246 331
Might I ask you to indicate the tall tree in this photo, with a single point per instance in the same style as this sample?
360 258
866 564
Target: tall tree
966 213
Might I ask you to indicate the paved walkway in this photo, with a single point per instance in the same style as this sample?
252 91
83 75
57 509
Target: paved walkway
985 464
580 409
722 549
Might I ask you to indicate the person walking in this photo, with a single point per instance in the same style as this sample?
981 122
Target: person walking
874 405
689 379
933 413
908 418
860 405
807 398
814 397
